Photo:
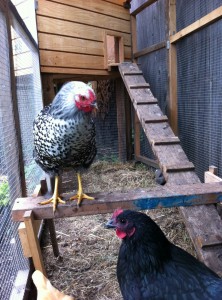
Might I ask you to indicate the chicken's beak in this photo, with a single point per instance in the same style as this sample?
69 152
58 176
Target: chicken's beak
94 107
110 224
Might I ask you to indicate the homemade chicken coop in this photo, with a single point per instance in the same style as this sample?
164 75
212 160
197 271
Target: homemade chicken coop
156 68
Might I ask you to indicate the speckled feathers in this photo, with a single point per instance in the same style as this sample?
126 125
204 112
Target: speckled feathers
64 134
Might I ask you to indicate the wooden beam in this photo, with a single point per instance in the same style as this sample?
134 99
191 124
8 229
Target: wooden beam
142 7
47 88
199 24
136 135
121 119
147 161
11 10
33 241
149 49
172 59
157 197
128 113
133 36
210 177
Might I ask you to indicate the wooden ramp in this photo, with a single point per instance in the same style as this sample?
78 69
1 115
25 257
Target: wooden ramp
203 222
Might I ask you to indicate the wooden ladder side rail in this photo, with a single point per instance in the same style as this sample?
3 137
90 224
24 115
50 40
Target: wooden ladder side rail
200 220
29 232
34 246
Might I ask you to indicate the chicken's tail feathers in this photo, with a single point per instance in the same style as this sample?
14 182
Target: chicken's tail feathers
45 290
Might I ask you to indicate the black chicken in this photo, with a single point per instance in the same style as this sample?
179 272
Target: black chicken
64 135
151 267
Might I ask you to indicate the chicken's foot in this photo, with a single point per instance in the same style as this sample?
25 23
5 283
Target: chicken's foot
80 195
55 199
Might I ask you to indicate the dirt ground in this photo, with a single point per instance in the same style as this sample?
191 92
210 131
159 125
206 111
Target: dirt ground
87 266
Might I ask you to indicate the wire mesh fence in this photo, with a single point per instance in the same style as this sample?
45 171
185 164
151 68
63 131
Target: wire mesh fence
154 63
29 101
199 87
11 258
29 98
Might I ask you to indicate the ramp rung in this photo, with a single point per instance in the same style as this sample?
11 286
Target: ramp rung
149 101
155 119
133 73
188 166
139 86
209 241
166 141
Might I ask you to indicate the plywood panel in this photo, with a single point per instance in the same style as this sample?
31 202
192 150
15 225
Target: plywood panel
68 44
100 6
81 16
73 71
66 28
71 35
70 60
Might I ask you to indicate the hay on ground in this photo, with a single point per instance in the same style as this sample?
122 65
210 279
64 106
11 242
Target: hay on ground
87 266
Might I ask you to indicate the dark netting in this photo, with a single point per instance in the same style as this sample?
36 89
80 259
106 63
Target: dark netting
190 11
150 25
200 97
154 69
106 121
29 96
153 66
11 256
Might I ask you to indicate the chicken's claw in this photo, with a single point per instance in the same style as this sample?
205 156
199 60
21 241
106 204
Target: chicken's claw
55 199
80 195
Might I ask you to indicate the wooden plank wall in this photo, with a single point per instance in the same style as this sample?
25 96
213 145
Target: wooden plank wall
71 34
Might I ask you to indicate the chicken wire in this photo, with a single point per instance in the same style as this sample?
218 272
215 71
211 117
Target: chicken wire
200 87
106 121
152 64
13 265
29 98
11 257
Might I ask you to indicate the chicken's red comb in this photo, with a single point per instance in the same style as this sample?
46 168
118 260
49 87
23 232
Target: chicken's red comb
117 212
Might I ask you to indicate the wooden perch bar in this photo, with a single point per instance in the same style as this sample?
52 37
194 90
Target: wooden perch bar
178 195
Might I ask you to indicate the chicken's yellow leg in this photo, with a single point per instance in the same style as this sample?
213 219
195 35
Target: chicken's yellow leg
55 198
80 195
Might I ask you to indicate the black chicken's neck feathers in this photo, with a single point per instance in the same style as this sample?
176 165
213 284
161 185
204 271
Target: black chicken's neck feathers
148 240
151 250
151 267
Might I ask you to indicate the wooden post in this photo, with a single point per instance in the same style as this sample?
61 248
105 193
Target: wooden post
172 69
136 135
48 88
211 176
121 117
15 104
50 224
133 37
128 108
33 242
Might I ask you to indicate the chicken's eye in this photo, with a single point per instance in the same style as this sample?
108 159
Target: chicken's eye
122 221
83 98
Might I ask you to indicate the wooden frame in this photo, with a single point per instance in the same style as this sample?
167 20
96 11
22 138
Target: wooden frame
172 69
113 49
198 25
29 209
